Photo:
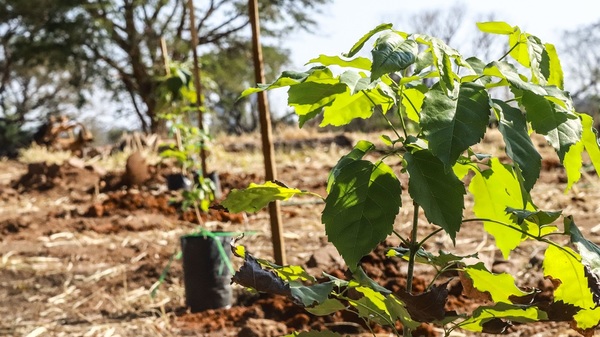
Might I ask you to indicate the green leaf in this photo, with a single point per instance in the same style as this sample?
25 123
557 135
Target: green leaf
538 59
519 146
329 306
360 209
358 152
500 311
560 128
392 53
442 260
565 265
257 196
495 27
518 44
501 287
362 279
436 190
359 62
452 125
441 59
348 107
319 89
539 223
372 306
589 251
590 140
556 74
493 191
286 79
509 72
361 42
312 295
412 100
573 163
355 81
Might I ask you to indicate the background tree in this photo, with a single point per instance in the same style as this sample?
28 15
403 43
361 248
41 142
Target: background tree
120 40
581 50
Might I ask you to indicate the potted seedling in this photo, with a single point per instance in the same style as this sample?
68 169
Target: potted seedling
206 263
449 100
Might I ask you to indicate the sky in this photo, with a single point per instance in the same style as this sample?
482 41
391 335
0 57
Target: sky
344 21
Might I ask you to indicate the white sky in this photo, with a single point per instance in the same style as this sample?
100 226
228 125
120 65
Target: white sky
345 21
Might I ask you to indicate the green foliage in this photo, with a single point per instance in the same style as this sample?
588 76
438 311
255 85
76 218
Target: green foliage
449 99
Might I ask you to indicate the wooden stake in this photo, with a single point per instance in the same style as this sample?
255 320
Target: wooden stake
266 135
197 82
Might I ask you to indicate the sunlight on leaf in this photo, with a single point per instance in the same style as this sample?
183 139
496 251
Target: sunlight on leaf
359 62
500 286
257 196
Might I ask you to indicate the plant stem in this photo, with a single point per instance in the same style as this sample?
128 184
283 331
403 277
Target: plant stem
413 248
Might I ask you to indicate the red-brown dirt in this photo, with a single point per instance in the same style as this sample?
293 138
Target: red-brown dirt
79 251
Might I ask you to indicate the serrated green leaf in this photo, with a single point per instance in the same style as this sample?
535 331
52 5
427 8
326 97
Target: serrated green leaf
573 163
257 196
319 89
441 59
360 209
359 62
501 287
412 100
348 107
422 256
495 27
519 146
305 118
452 125
329 306
372 306
355 81
590 140
392 53
518 43
493 191
538 60
509 72
287 78
560 128
312 295
362 279
556 73
538 222
504 311
437 191
589 251
587 319
565 265
361 42
358 152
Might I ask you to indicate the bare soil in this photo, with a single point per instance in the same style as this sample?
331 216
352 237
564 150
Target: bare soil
81 249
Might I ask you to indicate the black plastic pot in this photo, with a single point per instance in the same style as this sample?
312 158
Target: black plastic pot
178 181
206 275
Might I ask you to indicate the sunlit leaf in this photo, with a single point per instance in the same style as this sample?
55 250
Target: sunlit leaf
412 100
361 42
589 251
358 152
590 140
372 305
359 62
452 125
504 312
319 89
556 73
348 107
519 147
257 196
565 265
501 287
518 43
495 27
392 53
538 59
573 163
360 209
494 190
437 191
286 79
